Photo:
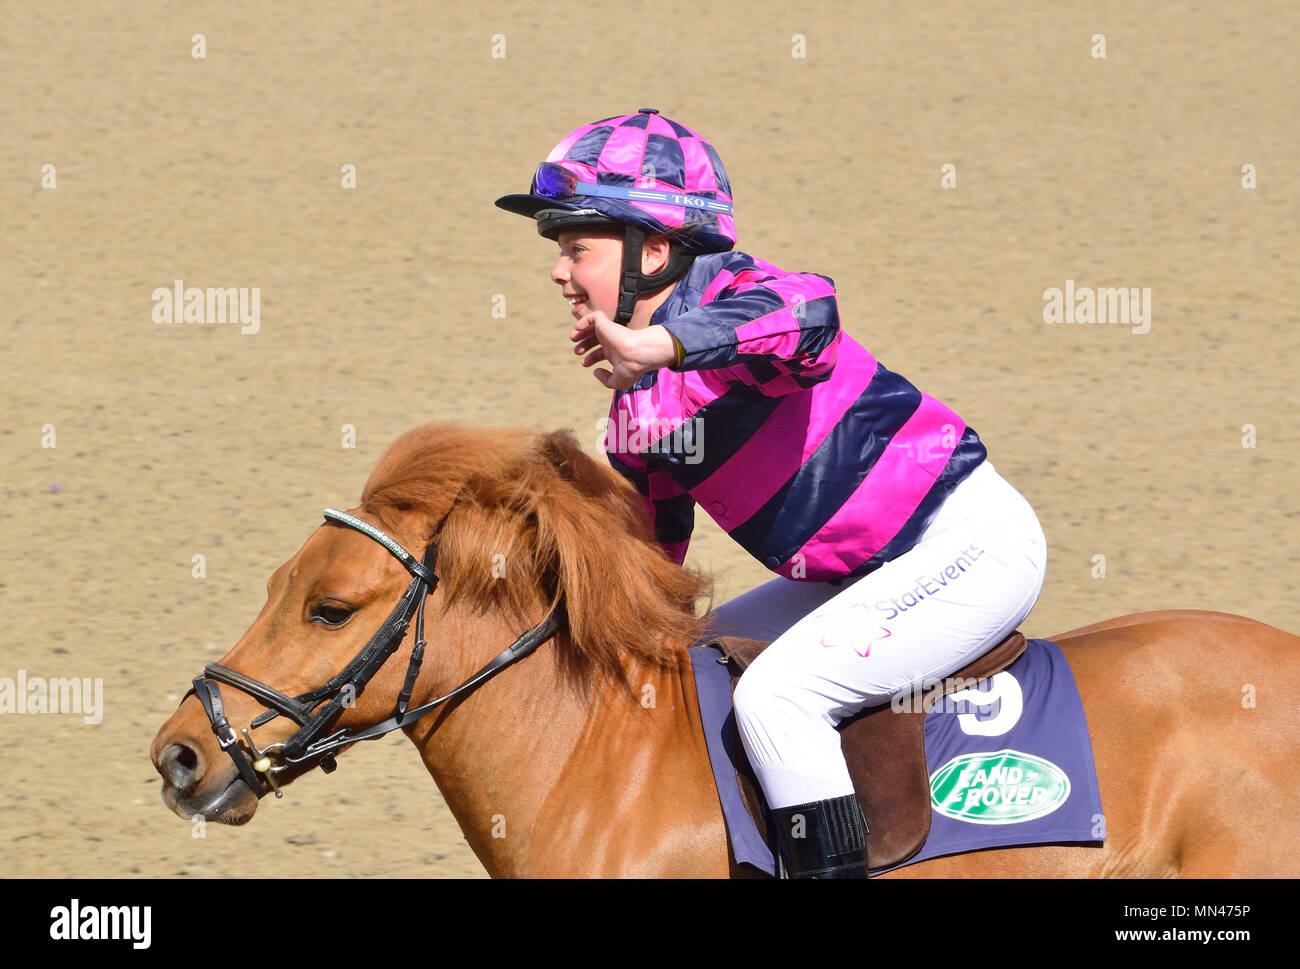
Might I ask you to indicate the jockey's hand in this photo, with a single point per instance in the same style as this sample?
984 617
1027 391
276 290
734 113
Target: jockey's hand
631 353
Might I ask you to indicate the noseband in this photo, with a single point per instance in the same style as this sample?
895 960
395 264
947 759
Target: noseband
318 710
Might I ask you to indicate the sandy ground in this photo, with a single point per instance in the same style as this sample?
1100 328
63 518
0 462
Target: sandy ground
376 312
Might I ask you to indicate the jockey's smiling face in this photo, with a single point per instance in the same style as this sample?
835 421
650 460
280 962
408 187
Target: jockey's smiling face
588 269
591 263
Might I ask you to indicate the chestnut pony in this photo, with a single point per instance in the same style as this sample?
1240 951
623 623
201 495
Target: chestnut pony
587 756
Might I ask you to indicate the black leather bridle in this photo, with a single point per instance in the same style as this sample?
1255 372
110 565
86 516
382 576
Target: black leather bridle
312 745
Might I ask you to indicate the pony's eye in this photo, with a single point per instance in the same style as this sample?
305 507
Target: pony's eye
328 615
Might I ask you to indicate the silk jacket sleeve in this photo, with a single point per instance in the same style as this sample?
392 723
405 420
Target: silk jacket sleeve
778 332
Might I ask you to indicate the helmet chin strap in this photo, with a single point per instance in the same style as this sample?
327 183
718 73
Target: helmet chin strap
634 282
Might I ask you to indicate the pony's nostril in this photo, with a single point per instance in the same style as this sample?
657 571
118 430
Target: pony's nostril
187 757
178 766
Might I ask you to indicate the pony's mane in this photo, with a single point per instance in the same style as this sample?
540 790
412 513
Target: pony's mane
526 521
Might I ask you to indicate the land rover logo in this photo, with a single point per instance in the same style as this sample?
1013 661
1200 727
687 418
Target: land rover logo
1001 787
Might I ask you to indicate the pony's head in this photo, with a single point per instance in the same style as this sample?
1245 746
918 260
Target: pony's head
524 526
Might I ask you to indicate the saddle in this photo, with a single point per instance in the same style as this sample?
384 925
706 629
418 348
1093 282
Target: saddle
885 752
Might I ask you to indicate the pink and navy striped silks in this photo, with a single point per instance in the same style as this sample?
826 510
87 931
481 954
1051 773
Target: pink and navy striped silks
820 462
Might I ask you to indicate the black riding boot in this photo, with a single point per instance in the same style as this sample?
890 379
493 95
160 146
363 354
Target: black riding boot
822 839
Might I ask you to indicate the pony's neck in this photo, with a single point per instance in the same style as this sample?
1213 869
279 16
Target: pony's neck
544 781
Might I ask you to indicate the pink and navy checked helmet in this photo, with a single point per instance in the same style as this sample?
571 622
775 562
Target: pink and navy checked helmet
644 172
640 168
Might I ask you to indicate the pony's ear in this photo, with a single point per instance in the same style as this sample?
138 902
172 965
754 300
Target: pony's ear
503 540
622 595
552 527
562 450
593 479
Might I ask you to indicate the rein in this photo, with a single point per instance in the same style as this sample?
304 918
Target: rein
312 745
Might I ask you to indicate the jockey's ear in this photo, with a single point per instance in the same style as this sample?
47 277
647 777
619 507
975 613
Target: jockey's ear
655 252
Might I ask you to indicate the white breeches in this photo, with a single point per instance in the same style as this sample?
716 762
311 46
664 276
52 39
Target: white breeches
968 582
